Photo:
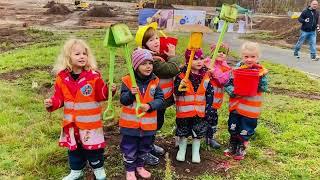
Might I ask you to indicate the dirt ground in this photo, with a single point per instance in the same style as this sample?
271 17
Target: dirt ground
283 28
16 16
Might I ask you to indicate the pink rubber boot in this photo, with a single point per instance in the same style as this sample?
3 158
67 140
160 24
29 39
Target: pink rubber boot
131 175
143 173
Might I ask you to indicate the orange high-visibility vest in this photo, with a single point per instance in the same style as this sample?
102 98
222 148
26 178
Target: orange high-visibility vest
218 95
128 118
192 103
82 109
247 106
165 84
167 87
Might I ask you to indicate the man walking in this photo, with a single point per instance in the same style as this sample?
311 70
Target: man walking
309 20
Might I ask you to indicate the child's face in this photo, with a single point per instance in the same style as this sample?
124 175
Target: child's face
221 56
146 68
250 59
154 43
79 56
197 64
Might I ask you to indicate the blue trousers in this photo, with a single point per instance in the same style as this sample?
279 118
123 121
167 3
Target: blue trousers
134 150
241 126
78 158
311 37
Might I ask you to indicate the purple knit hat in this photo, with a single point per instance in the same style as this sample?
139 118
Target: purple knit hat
139 56
197 55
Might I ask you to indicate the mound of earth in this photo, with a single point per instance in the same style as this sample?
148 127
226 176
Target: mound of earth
49 4
282 28
58 9
100 11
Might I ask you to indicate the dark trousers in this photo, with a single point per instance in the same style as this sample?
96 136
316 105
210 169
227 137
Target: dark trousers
160 122
79 157
241 126
160 118
134 150
212 124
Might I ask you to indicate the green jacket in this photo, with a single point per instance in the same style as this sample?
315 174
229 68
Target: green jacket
165 70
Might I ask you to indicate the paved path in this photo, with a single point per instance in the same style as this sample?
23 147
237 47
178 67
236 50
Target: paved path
273 54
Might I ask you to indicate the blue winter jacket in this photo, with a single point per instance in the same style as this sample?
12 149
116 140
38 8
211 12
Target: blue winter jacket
127 98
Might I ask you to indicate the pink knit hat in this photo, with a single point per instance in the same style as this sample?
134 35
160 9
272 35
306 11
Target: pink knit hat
198 54
139 56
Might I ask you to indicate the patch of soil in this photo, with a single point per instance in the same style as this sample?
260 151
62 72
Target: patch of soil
14 75
163 6
50 4
183 170
287 92
284 28
100 11
58 9
11 38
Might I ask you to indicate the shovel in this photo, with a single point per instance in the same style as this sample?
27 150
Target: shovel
119 35
229 14
194 44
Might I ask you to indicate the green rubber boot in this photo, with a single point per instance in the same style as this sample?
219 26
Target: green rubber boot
196 151
181 155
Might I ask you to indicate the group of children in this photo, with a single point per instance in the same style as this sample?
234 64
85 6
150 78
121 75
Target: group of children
79 88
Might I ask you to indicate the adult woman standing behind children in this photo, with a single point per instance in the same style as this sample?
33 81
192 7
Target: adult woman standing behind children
79 89
166 67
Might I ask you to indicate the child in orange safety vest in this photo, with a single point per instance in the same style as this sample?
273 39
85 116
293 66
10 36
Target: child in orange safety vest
220 74
245 110
192 105
79 89
165 67
137 133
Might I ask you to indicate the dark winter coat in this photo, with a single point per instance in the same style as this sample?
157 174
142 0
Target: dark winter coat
127 98
313 16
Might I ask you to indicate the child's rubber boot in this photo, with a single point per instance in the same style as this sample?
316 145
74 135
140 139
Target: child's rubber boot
196 151
131 175
240 152
181 155
143 173
176 141
232 147
74 175
213 143
100 174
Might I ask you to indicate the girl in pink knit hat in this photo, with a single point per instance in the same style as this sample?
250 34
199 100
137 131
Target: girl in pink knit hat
137 133
220 75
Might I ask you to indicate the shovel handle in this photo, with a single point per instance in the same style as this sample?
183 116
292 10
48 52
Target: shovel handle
139 115
182 86
111 77
133 80
221 36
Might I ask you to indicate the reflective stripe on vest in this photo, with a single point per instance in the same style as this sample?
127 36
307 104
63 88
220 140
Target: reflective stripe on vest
192 103
128 118
247 106
82 109
167 87
218 96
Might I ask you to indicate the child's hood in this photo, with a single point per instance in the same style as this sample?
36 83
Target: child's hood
88 74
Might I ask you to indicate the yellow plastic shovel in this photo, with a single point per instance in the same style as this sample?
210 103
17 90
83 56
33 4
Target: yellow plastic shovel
195 43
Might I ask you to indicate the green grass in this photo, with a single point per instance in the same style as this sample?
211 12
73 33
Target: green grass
286 145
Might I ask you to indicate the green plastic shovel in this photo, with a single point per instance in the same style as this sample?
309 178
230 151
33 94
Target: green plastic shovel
229 14
119 35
